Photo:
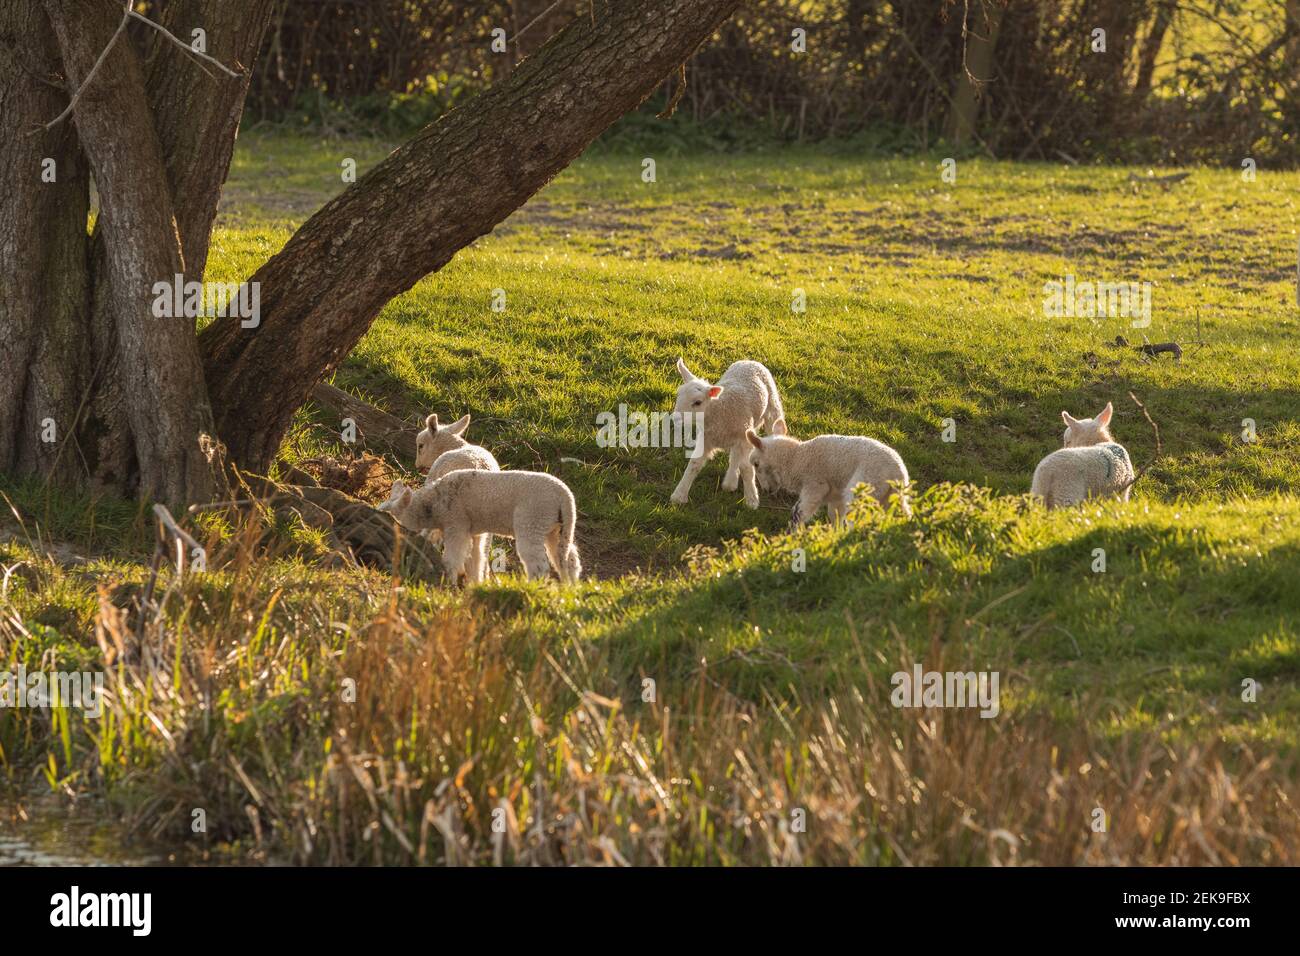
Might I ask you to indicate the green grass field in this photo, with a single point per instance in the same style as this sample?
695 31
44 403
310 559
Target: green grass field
924 308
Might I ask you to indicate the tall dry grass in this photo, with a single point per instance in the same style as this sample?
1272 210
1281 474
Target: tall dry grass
334 718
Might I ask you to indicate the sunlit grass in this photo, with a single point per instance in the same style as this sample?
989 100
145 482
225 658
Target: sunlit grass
924 303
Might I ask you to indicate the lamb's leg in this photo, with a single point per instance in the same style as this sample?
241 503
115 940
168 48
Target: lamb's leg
810 501
683 489
476 566
456 545
531 546
835 510
731 480
837 506
553 550
741 453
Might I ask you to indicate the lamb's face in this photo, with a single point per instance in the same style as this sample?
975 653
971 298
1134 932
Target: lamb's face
435 440
399 502
772 458
1081 432
694 397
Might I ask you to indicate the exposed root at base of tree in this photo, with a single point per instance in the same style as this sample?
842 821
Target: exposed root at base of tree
355 531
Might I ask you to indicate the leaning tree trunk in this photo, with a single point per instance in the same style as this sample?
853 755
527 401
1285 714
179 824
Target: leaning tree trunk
140 403
451 184
1150 49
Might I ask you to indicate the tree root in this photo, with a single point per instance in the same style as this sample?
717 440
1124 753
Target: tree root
354 530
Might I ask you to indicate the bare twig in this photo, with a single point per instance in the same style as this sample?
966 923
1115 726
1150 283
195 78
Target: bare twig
671 108
168 523
531 23
1159 447
126 18
1154 426
1163 181
1155 350
185 46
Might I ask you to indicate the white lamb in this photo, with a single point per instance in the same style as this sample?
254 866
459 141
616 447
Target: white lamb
443 450
1091 465
534 508
744 398
827 470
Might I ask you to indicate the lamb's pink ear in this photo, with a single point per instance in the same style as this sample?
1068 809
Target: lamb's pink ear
686 374
394 493
753 438
405 500
459 425
431 423
778 427
1104 417
1069 419
715 391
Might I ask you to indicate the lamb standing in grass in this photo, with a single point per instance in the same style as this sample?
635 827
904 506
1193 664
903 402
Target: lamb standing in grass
534 508
744 398
1091 465
445 449
827 470
441 449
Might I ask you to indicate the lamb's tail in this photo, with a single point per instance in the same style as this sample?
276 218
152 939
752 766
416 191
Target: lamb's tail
775 410
1042 486
570 564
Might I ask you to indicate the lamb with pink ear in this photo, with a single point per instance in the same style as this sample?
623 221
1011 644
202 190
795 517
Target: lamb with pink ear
744 398
1091 465
442 449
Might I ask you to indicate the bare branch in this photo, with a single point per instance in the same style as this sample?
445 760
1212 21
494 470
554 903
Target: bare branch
531 23
185 46
126 18
1159 448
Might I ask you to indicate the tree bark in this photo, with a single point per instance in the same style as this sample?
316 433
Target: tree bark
1291 30
376 426
161 373
976 69
197 114
132 394
44 287
1151 46
451 184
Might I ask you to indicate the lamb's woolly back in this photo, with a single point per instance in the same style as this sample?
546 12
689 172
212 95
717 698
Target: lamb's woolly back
534 508
1091 465
471 457
827 469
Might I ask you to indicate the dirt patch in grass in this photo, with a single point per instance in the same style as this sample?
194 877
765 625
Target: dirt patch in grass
366 476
